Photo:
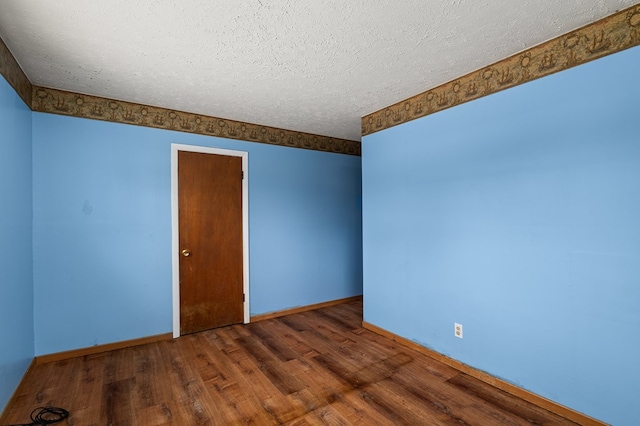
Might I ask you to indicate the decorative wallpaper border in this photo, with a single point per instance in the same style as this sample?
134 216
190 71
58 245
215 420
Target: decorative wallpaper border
12 72
612 34
77 105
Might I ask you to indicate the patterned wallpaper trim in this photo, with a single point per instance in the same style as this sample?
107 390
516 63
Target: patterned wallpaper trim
612 34
77 105
14 75
606 36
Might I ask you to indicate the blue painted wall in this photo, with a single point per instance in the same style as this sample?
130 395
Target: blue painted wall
16 284
102 229
517 215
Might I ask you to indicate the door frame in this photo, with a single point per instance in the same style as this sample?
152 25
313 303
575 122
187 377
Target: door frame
175 255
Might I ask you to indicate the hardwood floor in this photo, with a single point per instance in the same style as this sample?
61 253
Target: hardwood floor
311 368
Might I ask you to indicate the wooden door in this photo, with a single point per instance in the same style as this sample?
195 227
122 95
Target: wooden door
210 241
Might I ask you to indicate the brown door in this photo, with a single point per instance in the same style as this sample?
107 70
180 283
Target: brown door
210 238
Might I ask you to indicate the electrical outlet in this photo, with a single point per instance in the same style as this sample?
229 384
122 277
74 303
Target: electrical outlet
457 330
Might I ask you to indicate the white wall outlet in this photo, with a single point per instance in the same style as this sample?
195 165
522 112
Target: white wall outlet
457 330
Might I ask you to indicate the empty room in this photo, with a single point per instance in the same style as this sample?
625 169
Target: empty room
319 212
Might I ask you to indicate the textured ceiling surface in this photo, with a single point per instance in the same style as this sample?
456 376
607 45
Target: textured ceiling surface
314 66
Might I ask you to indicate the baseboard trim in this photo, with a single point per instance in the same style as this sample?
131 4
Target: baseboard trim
306 308
60 356
512 389
16 392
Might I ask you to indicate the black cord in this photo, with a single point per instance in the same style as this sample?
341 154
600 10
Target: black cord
46 416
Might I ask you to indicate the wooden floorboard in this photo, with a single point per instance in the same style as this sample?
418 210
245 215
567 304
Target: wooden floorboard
310 368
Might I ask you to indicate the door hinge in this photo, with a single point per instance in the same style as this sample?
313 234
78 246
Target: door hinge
244 297
243 174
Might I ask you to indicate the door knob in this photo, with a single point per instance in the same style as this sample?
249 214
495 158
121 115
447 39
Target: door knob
186 253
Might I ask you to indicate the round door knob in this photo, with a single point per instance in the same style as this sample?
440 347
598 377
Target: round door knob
186 253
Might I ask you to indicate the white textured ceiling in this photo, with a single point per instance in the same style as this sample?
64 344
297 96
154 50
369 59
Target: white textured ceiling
308 65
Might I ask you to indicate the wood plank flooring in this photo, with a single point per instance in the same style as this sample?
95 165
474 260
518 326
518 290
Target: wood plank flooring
313 368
